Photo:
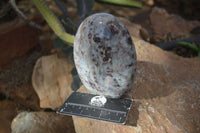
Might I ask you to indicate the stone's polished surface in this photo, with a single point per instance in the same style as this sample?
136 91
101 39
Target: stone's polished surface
105 55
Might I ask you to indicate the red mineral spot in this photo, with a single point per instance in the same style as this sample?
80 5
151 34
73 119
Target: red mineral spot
96 39
89 36
113 29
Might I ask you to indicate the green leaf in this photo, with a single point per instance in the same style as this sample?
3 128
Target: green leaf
190 45
124 3
53 22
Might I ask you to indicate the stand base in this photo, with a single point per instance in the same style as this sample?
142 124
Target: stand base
96 107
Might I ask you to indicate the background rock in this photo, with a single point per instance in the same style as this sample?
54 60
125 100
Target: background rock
165 93
134 29
42 122
187 9
8 111
148 2
15 81
52 79
169 27
16 42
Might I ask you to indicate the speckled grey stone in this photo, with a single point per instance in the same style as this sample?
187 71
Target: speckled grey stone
104 55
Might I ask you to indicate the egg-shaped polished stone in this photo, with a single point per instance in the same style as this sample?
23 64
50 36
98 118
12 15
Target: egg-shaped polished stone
104 55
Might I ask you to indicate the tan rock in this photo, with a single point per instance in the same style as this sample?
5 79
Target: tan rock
165 93
169 26
52 79
134 29
42 122
149 2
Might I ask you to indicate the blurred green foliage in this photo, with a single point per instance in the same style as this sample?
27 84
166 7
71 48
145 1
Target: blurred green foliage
192 46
